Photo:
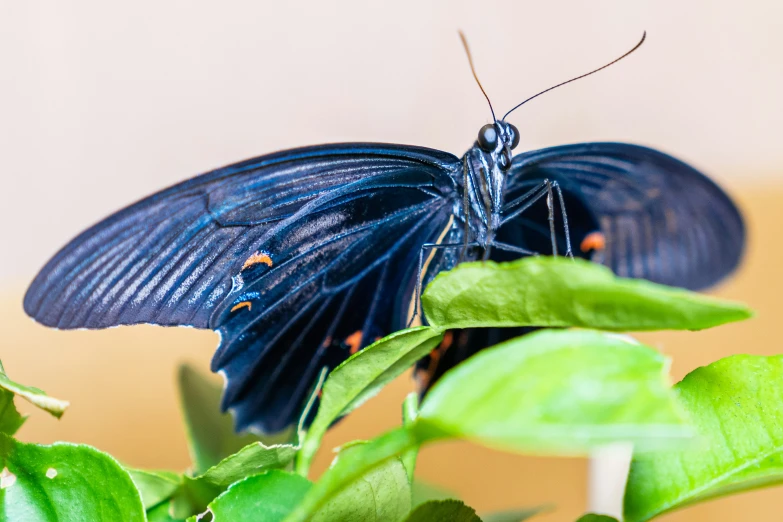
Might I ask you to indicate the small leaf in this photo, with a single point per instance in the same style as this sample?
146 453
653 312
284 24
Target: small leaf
361 377
54 406
64 482
557 392
250 460
352 465
410 409
736 406
10 418
591 517
422 492
267 497
255 458
514 515
162 513
560 292
443 511
383 494
155 486
210 433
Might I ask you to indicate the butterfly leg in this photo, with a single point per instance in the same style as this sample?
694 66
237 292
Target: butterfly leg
420 275
525 201
569 252
513 248
532 195
550 206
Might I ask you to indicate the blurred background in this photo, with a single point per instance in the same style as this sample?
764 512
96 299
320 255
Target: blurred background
102 103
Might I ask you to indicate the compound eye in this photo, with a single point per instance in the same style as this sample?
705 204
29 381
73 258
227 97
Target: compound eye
488 137
514 136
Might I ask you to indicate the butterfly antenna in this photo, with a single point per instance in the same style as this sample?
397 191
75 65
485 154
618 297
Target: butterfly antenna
635 47
475 76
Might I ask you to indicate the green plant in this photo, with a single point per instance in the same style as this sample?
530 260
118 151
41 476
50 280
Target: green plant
565 390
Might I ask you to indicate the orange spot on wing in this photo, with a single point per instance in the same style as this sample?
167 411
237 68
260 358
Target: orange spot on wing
258 257
593 241
243 304
448 339
354 341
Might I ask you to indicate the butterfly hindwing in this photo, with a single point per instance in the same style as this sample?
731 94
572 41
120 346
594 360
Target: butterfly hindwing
344 280
638 211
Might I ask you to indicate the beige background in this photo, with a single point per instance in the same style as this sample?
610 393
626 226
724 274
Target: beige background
104 102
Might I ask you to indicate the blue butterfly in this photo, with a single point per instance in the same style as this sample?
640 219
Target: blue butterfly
300 258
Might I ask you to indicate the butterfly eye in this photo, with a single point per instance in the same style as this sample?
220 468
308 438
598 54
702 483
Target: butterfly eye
488 137
514 136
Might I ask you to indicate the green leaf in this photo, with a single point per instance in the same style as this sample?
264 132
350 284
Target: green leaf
736 405
54 406
210 433
267 497
514 515
250 460
591 517
443 511
155 487
64 482
361 377
383 494
162 513
550 291
410 409
352 465
557 391
10 418
255 458
422 492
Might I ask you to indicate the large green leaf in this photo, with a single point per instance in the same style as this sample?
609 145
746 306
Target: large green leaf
361 377
37 397
64 482
210 433
267 497
549 291
383 494
736 405
443 511
557 391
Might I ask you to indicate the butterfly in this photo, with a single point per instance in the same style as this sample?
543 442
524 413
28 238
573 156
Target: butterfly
303 257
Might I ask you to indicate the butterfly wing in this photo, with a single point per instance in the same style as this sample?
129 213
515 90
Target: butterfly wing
169 259
343 276
657 218
296 258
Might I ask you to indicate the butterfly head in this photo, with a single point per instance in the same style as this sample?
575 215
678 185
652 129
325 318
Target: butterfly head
498 140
